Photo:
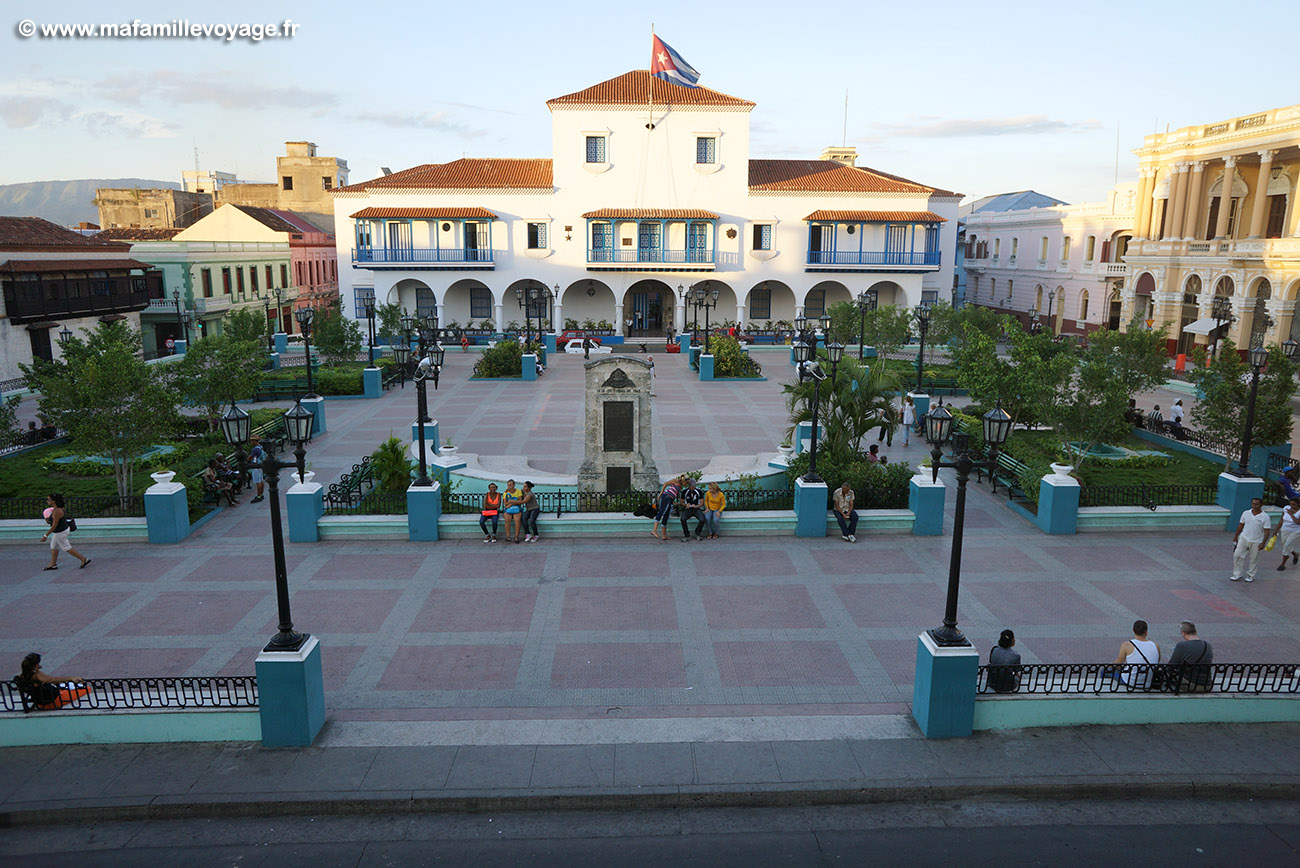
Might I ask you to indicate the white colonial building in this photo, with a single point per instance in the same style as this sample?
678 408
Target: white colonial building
1027 253
641 199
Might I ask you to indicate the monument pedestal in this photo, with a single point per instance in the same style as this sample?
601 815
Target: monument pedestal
619 441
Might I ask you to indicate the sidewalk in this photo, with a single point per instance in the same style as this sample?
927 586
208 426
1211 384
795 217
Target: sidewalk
886 761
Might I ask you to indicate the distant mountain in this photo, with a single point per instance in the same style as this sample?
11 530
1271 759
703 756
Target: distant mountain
64 202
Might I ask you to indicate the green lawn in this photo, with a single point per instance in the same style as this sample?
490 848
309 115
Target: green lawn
1182 469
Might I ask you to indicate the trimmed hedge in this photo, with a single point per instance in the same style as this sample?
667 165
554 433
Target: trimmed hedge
877 486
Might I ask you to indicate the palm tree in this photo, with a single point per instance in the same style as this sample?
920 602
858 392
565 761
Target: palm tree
391 466
850 407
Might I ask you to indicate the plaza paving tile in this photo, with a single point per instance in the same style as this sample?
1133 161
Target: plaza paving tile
1116 557
1176 601
222 567
587 564
616 664
641 608
733 562
109 571
385 567
341 611
1035 602
502 559
783 664
55 615
739 607
186 613
873 557
476 610
452 667
132 663
885 604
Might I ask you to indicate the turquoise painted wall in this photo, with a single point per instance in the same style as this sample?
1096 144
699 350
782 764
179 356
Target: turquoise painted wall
1024 711
129 727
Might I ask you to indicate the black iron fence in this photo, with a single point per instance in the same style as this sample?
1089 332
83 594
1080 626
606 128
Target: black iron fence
1073 679
110 506
1279 462
1150 496
374 503
239 691
347 493
560 502
33 437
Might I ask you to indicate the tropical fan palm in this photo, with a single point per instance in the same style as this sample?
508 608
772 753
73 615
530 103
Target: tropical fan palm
850 406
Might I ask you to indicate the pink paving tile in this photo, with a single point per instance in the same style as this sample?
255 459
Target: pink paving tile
998 559
385 567
609 664
1109 558
898 656
894 605
777 607
108 570
1250 649
471 610
1157 601
452 667
1084 649
1015 603
741 562
783 664
133 663
498 560
1280 595
612 564
619 609
186 613
337 663
327 611
224 567
871 559
1204 557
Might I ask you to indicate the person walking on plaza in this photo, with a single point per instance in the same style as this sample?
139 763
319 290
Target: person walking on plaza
909 419
255 456
1252 532
845 514
514 499
1004 664
1190 662
692 507
714 503
1135 652
531 510
491 509
60 527
667 497
1288 530
888 418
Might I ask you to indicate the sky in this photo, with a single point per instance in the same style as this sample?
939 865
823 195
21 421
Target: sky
978 98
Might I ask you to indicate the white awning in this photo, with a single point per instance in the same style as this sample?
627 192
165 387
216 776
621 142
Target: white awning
1202 326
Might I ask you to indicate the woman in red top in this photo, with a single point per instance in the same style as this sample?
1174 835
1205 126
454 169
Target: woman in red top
491 510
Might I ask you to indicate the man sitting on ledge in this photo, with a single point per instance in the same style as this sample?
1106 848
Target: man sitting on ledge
1190 662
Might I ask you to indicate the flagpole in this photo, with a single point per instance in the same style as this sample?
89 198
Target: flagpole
650 86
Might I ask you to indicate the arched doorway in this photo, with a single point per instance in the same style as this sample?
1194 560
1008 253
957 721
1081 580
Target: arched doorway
1142 307
769 303
888 292
466 304
648 308
1115 309
584 304
1191 312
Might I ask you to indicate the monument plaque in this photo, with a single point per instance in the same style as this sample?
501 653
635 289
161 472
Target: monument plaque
617 447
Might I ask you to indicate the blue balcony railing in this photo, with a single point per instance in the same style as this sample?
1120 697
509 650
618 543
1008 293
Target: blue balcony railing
652 255
420 254
873 257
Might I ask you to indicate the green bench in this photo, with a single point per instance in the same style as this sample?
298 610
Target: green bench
272 390
1008 472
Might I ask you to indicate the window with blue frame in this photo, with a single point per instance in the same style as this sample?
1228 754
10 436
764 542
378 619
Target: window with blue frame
648 241
536 236
706 149
480 303
760 304
359 297
697 243
596 149
363 234
762 236
815 303
602 242
933 255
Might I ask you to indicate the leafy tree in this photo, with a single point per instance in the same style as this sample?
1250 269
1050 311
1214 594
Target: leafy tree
216 371
336 338
1225 384
503 360
729 360
887 328
391 466
389 319
1025 381
106 397
945 322
983 319
9 431
247 324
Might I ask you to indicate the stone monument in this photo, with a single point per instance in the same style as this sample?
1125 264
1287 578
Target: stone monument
618 440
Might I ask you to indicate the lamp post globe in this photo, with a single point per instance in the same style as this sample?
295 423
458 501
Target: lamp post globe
1290 348
65 335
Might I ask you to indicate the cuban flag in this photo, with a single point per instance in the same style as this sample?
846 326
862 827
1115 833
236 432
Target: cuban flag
670 66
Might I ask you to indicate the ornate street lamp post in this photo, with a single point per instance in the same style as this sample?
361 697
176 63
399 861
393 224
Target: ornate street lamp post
804 355
938 426
429 366
1034 324
707 299
180 318
1258 357
298 423
368 311
270 345
305 317
1221 310
922 315
867 300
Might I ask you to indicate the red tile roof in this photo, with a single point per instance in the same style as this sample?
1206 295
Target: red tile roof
651 214
934 191
425 213
466 173
876 217
824 176
29 266
267 217
136 234
633 88
27 233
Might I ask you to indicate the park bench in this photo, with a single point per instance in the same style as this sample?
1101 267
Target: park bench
271 390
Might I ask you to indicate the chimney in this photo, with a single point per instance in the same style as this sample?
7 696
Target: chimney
846 155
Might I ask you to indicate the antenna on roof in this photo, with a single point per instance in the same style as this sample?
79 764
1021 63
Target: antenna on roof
844 142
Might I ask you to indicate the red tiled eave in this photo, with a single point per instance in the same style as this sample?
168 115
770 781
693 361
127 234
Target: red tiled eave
465 174
824 176
473 212
634 88
825 216
650 214
35 233
30 266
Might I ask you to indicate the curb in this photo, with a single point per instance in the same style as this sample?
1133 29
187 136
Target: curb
236 805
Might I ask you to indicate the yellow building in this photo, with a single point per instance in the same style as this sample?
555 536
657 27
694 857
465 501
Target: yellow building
1189 246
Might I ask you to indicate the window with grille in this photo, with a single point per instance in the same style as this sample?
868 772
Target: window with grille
706 149
225 280
206 275
762 236
480 303
815 304
596 149
360 296
536 236
760 304
252 278
270 278
284 275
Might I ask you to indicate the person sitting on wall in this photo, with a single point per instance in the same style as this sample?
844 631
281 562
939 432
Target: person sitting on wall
47 691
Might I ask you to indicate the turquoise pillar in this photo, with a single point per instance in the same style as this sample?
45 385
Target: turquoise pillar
275 361
810 511
922 403
180 346
548 341
281 342
943 693
706 367
528 366
684 341
305 504
166 509
802 432
1259 455
423 510
695 358
1058 504
372 383
317 407
291 695
925 498
1235 494
430 438
869 353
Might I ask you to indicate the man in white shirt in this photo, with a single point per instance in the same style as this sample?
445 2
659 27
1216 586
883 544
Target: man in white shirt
1252 533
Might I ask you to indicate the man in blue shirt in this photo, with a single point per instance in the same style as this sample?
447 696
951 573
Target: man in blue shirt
255 456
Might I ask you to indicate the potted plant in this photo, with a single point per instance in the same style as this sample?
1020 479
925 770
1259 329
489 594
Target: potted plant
448 448
786 449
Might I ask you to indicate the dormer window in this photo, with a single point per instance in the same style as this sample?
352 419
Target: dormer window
597 149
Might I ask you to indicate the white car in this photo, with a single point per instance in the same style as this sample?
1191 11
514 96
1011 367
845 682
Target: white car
575 346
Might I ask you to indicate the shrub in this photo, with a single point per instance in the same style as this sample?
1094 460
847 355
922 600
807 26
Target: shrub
729 360
503 360
1032 476
877 486
337 382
